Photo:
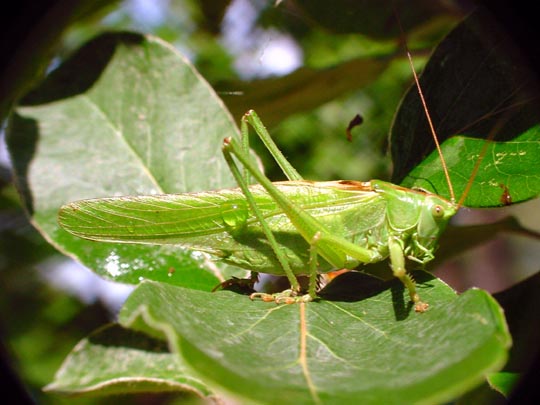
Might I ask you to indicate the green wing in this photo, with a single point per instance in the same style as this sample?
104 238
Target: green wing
219 222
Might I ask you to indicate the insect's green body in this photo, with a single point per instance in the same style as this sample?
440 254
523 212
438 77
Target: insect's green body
220 222
293 228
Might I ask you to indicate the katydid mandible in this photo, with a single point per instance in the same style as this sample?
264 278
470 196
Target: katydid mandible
292 228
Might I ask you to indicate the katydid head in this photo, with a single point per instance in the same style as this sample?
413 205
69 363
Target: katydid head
415 214
435 212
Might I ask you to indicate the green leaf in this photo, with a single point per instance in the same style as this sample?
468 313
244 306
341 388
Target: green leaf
503 382
368 17
117 119
476 86
364 345
521 305
114 360
33 37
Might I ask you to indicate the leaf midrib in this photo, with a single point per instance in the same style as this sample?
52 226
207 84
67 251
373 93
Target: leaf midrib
120 135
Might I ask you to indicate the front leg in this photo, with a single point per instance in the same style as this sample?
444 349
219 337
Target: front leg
397 262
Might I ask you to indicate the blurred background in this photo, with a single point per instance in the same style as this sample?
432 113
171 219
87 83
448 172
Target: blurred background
307 68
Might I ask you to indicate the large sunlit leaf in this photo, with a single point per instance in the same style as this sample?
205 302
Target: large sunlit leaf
125 115
114 360
366 345
477 86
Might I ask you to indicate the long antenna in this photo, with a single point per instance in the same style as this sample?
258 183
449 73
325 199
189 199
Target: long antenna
432 128
428 116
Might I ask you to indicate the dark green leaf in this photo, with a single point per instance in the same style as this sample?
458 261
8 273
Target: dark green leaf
477 86
371 18
503 382
368 347
278 97
521 305
117 119
34 32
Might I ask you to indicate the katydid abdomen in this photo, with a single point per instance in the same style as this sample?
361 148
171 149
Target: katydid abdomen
220 222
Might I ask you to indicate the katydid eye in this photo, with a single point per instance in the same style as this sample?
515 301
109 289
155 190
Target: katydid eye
437 211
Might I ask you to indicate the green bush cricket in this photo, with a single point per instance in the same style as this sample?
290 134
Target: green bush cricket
292 228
